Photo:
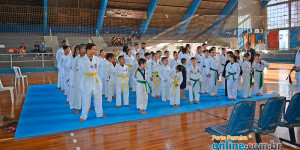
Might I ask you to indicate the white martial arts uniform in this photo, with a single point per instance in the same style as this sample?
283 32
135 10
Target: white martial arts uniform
59 53
142 53
173 63
194 76
64 73
232 74
246 67
222 61
175 78
134 51
188 60
259 76
142 89
297 64
155 84
102 62
212 69
205 84
148 71
129 60
68 75
74 83
239 82
199 58
164 74
110 76
122 84
90 85
106 77
135 66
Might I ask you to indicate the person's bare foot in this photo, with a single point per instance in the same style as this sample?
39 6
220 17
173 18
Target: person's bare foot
206 92
250 96
203 93
215 95
62 90
81 120
103 116
57 88
164 101
67 102
191 103
133 91
113 97
128 105
238 91
258 94
158 96
90 110
244 97
108 101
118 106
177 106
76 112
174 106
183 98
197 102
232 99
155 97
143 112
66 95
73 108
149 93
235 99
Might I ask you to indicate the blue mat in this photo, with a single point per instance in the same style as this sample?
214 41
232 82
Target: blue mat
45 111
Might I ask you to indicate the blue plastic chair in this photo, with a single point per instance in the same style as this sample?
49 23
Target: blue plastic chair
292 119
240 122
269 117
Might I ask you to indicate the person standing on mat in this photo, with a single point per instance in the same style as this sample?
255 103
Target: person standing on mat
90 84
222 61
212 72
247 76
59 53
155 84
194 81
259 65
205 85
175 81
164 73
143 86
251 51
232 74
183 83
224 71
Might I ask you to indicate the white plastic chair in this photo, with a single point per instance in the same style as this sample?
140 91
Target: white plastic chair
11 89
18 75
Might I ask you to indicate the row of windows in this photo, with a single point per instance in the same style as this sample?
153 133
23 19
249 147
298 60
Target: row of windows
278 15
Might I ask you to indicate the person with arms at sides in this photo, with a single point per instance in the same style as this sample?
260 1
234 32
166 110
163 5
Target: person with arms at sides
143 50
198 56
186 55
224 71
222 61
135 50
122 84
59 53
75 91
297 66
240 61
63 71
205 84
106 73
129 60
148 67
155 84
90 84
251 51
194 81
135 67
231 75
259 65
68 75
175 62
102 61
164 73
212 72
183 83
175 81
110 76
143 87
247 76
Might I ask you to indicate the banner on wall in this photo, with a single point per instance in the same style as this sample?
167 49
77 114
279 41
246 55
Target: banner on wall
123 13
295 39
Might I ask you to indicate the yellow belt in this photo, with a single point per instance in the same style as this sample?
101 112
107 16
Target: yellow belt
130 66
175 82
91 74
156 74
124 76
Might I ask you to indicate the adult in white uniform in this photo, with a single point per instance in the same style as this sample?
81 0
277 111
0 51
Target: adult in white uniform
222 62
259 65
90 84
212 73
247 76
164 74
59 53
194 81
122 83
175 81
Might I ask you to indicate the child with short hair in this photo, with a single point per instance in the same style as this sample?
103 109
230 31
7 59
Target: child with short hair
129 60
135 67
194 81
155 84
232 74
175 80
205 85
222 62
143 87
247 76
183 84
148 66
212 72
167 54
122 85
240 61
110 76
259 65
175 62
164 74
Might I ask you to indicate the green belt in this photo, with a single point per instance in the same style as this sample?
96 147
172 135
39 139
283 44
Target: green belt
223 65
195 81
230 74
146 85
216 73
251 76
261 78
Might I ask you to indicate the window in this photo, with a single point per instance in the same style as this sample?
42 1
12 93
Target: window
271 2
295 14
278 16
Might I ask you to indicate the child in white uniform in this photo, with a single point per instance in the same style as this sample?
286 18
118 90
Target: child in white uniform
231 75
135 66
175 81
212 73
111 78
259 65
90 84
164 74
143 87
247 76
222 61
122 84
194 81
129 60
240 61
148 67
205 85
156 81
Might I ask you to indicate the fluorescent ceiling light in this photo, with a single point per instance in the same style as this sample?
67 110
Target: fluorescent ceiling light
162 44
179 40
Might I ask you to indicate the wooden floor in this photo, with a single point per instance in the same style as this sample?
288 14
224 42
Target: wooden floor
179 131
